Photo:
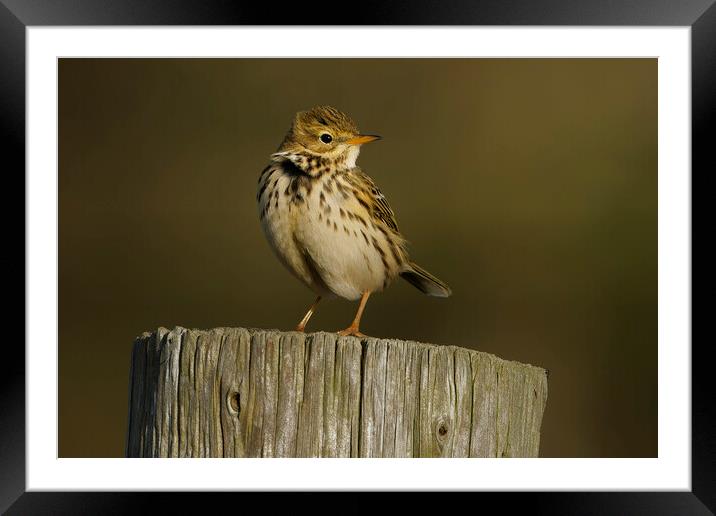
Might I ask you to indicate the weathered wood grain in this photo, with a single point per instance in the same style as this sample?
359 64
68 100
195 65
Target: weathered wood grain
235 392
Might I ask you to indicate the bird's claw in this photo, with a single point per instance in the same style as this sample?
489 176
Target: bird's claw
351 331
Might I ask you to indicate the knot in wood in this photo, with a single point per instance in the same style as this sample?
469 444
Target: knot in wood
442 428
234 400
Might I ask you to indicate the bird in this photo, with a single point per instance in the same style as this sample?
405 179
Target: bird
327 221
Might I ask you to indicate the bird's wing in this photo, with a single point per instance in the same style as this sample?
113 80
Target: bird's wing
372 198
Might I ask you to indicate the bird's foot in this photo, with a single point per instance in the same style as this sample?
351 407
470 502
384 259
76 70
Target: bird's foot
352 331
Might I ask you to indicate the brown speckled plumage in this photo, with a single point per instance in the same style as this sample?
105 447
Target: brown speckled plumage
315 170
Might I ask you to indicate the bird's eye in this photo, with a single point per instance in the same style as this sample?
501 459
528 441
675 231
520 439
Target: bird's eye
326 138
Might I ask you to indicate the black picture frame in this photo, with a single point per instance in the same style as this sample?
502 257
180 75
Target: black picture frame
17 15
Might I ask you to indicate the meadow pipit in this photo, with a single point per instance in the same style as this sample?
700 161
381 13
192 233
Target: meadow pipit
327 221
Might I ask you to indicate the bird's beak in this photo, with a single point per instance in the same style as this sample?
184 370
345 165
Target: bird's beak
363 138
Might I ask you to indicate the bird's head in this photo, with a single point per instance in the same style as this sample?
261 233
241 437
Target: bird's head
326 132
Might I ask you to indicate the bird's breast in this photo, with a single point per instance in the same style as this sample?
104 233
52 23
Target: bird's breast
325 234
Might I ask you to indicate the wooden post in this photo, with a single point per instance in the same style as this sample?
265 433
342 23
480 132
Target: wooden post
234 392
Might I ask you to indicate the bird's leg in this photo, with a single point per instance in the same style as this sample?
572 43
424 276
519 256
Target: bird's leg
353 328
308 315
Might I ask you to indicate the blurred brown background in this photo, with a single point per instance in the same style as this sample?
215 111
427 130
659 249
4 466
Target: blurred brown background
528 185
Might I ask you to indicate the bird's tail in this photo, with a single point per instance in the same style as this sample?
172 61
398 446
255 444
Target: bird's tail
424 281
